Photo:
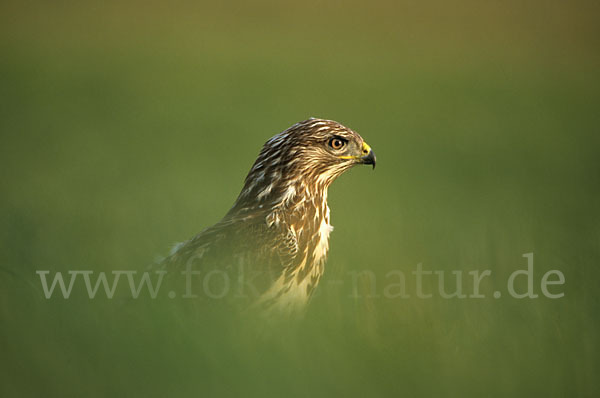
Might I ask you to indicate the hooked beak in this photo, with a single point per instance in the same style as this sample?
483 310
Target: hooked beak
368 155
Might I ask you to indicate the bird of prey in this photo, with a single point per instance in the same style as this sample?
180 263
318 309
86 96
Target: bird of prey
275 238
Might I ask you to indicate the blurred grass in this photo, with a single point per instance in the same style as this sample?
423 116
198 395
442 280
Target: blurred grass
129 126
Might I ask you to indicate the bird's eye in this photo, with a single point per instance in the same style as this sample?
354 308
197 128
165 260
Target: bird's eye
337 143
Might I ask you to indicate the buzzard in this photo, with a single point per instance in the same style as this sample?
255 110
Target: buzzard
274 240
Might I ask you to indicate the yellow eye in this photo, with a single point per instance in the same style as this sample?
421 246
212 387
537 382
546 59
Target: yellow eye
337 143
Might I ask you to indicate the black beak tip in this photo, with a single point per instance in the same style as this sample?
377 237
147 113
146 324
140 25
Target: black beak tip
370 159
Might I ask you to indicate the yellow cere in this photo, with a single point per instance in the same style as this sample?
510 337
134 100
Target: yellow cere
366 147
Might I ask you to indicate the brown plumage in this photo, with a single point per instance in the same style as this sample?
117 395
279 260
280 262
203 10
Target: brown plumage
272 244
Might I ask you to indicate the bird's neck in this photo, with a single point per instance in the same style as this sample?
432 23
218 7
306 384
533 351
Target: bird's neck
299 198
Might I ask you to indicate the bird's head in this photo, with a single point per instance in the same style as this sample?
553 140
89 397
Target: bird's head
316 148
313 153
323 146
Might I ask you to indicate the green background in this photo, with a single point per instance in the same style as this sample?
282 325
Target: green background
128 126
